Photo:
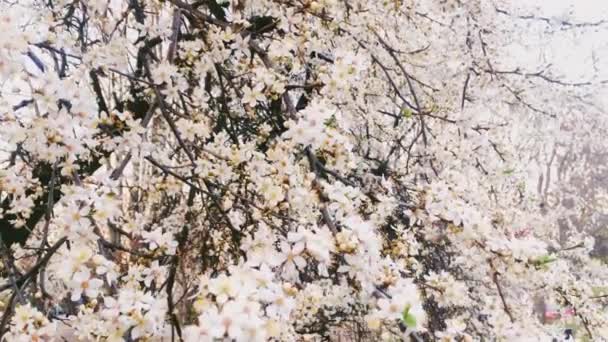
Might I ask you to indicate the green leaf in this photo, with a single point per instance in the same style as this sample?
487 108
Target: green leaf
408 319
599 290
544 260
508 172
406 112
331 122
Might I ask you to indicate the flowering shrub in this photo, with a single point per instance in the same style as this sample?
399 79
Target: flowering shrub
284 170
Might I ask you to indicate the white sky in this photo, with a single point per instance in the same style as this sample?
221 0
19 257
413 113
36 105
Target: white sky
572 52
580 10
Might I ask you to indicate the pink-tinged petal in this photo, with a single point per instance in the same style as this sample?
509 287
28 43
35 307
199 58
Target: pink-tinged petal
569 312
552 315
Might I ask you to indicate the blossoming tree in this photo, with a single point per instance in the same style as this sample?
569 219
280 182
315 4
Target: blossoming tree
285 170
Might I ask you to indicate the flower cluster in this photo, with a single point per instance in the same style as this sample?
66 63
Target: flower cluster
268 170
